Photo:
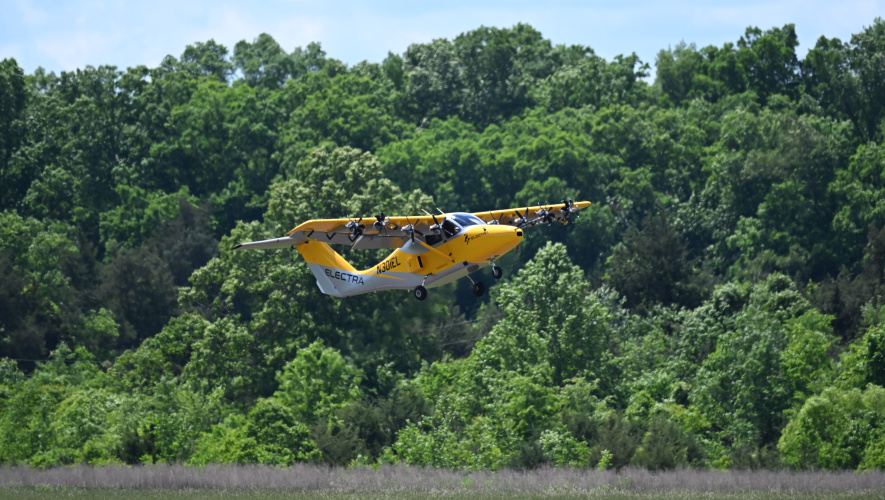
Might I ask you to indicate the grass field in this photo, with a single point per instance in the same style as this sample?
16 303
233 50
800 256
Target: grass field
401 482
30 493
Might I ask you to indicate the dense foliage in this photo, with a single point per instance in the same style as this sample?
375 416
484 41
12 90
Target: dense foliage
719 305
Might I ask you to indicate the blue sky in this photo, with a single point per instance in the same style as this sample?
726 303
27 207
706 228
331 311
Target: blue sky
65 35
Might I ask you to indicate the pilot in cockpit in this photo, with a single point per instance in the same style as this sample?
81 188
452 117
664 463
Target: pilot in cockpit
452 225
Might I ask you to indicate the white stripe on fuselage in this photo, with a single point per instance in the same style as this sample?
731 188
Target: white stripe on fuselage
341 283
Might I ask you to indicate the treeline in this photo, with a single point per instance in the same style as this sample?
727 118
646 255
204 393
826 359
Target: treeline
719 305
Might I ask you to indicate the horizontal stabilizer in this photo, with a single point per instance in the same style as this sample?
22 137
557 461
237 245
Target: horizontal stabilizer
284 242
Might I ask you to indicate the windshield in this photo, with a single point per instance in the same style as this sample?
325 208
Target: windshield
466 219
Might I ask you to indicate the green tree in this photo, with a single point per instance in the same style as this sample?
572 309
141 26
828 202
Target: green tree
263 62
846 78
42 286
281 439
773 356
220 147
770 60
347 110
13 99
317 381
676 70
493 407
482 76
651 265
139 214
860 188
164 355
28 434
837 430
207 59
269 434
139 288
547 305
865 63
769 191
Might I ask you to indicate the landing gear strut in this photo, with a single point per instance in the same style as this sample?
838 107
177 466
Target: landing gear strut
497 272
478 287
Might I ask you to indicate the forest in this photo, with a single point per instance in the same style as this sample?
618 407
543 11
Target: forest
721 304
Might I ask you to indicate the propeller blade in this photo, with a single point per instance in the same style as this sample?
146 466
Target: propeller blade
494 221
356 229
431 215
381 222
411 229
568 210
546 216
435 228
523 220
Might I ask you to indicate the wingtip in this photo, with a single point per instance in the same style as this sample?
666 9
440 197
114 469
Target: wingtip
237 246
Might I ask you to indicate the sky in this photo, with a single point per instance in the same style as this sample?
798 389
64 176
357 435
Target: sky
66 35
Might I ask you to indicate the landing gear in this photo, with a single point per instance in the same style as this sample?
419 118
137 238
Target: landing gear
420 292
497 272
478 287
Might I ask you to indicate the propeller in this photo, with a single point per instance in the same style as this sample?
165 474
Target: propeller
381 222
494 221
522 221
568 209
411 229
356 229
435 228
545 216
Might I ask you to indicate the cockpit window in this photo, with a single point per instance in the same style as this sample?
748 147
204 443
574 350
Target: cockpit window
452 225
465 219
450 228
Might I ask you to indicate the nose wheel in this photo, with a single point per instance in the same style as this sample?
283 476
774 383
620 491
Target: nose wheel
420 292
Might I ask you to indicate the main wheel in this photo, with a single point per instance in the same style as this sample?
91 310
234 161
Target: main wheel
478 288
497 272
420 292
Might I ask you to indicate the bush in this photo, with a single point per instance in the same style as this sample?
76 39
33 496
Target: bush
838 429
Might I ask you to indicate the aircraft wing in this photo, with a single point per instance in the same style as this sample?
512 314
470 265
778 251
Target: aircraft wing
392 232
360 233
284 242
532 215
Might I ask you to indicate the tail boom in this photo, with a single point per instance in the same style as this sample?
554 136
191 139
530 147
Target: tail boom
336 277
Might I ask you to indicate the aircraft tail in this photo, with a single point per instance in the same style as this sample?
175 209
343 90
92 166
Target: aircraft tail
335 276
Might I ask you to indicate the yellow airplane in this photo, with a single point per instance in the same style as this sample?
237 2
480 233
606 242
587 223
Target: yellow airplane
430 250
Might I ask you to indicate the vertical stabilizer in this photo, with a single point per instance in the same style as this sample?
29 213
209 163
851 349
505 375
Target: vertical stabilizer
335 276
